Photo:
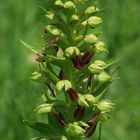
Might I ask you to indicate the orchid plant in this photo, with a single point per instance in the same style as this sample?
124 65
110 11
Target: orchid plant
73 76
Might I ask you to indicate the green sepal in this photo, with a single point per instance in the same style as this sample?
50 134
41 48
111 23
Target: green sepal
43 128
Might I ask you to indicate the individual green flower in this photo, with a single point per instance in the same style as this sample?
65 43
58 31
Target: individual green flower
75 130
59 3
100 47
94 21
90 39
91 9
104 77
105 106
69 5
72 51
97 67
90 98
63 84
74 18
82 101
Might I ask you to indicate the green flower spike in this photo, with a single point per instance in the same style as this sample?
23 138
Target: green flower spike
71 74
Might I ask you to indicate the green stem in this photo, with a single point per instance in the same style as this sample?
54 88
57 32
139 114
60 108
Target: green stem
100 131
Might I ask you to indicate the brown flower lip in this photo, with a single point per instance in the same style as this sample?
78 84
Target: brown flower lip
90 131
93 124
61 75
79 62
86 58
79 112
73 94
60 118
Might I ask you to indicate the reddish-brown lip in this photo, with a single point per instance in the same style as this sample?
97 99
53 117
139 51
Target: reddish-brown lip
73 94
79 113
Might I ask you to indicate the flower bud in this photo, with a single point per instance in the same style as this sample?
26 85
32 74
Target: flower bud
100 47
69 5
91 39
105 106
74 18
91 10
63 84
97 67
94 21
75 130
72 51
59 3
44 108
104 77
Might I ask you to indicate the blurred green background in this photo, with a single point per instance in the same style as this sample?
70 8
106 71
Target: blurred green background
19 96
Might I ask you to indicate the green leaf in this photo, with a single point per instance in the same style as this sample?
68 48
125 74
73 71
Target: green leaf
56 125
31 48
102 88
112 61
42 128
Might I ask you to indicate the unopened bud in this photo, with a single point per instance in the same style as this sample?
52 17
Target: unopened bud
94 21
91 10
104 77
63 84
105 106
72 51
91 39
69 5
